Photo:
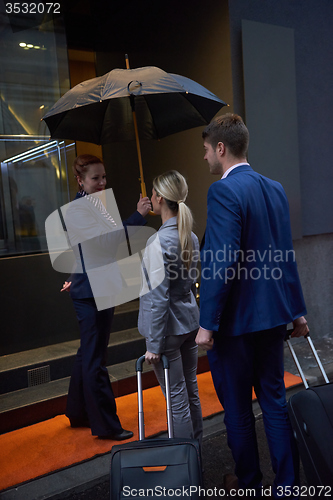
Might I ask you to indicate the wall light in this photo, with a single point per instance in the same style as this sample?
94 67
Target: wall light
28 46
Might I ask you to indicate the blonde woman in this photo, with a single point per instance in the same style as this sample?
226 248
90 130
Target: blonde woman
168 314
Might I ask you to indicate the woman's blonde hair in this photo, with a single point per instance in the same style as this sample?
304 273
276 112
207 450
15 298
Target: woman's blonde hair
172 186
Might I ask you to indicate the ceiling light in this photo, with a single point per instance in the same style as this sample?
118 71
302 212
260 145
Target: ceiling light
22 44
30 46
36 47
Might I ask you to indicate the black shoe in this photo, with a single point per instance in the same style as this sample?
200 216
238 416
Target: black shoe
120 436
79 422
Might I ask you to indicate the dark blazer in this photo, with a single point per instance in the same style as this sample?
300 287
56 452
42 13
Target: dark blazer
249 278
90 217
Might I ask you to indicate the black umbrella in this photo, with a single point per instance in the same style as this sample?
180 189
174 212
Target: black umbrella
131 104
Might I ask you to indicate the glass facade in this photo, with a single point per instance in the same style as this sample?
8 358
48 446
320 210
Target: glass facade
33 176
33 185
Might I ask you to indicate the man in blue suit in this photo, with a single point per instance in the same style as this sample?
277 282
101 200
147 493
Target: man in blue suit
250 291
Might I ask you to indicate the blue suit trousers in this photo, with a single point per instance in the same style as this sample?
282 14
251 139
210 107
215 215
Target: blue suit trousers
239 363
90 394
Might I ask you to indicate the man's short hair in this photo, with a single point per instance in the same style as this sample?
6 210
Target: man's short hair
232 131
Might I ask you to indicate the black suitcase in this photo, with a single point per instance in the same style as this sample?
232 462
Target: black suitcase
161 467
311 415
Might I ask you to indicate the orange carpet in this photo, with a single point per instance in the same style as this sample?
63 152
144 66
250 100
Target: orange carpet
52 445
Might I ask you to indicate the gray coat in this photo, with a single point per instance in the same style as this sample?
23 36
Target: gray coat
169 308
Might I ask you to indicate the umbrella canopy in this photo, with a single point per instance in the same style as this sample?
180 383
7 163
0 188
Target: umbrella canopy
100 110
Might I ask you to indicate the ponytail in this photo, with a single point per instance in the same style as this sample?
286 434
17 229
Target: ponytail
185 224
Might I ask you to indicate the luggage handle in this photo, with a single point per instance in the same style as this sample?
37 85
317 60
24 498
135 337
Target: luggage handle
139 369
314 352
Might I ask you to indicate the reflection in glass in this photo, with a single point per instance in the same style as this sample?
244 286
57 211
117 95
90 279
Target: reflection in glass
33 176
33 184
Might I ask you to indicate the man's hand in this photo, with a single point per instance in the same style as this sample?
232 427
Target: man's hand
151 358
205 339
300 327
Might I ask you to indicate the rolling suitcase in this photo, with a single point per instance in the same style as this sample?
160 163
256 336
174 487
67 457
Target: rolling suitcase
311 415
155 467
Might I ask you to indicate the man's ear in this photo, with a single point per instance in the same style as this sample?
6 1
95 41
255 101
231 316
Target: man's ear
220 148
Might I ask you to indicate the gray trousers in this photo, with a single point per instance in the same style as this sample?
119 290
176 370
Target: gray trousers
182 352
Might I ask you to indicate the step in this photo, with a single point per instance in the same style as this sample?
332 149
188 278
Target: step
34 383
28 368
35 404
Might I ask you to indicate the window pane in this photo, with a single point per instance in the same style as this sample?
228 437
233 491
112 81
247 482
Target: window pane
33 176
34 184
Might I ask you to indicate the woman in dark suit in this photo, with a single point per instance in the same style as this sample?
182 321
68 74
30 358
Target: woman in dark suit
91 402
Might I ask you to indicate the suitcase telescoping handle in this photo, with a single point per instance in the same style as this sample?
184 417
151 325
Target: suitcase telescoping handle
139 368
314 352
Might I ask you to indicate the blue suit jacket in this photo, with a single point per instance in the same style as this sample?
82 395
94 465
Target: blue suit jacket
249 279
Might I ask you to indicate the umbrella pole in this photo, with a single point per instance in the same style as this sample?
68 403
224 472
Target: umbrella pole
143 185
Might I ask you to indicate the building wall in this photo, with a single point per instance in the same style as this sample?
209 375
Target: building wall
34 312
314 255
311 22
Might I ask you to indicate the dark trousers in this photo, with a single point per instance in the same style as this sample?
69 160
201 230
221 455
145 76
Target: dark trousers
238 364
90 393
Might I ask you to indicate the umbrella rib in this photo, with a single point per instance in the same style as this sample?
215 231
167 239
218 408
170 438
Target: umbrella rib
152 118
103 122
184 94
